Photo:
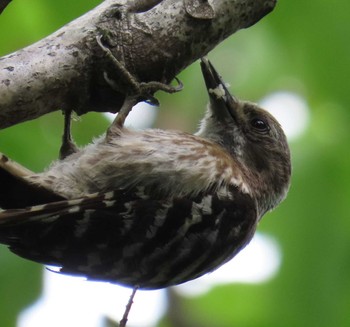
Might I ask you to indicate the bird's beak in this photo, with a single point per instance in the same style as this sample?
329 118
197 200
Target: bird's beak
223 104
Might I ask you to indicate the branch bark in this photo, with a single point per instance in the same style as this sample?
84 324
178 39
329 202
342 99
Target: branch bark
153 39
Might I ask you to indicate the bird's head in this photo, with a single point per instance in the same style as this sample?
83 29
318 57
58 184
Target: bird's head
252 136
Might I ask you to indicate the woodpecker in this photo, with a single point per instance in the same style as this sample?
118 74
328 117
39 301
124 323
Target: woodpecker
153 208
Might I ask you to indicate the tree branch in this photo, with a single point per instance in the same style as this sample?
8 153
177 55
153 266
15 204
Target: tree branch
153 39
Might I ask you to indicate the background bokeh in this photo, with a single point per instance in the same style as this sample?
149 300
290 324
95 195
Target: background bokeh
302 47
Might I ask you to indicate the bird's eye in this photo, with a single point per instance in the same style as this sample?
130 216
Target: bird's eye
260 125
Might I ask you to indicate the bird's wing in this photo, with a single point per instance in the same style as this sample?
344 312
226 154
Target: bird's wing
16 191
165 162
128 238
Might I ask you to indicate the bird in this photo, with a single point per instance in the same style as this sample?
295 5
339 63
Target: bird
153 208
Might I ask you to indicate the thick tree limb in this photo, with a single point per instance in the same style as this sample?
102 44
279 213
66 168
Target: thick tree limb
153 39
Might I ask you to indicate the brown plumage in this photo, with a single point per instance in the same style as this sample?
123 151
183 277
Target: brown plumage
155 208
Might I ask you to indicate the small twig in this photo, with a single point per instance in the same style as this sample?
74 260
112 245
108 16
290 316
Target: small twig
128 307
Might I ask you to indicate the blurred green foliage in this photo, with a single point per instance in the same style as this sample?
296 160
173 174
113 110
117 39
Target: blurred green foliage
301 47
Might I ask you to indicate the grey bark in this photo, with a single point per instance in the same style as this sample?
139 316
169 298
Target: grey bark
153 39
